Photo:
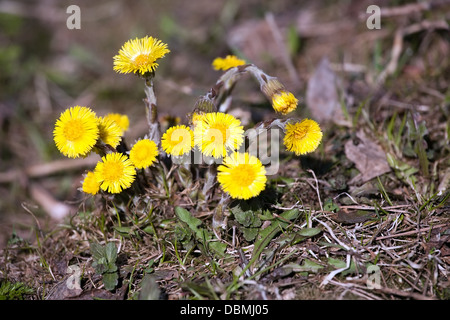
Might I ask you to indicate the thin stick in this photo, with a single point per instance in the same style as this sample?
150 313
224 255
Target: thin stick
279 41
396 292
408 233
316 188
46 169
331 275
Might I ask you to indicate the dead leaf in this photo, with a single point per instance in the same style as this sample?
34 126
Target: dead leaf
255 40
322 95
368 156
65 289
102 294
354 216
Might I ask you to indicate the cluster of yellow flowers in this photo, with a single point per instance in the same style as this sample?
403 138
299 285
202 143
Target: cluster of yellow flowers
219 135
79 131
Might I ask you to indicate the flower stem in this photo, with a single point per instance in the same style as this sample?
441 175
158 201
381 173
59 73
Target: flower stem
152 112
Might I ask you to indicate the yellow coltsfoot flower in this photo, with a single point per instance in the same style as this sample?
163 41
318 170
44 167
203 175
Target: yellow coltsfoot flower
284 102
215 133
139 56
178 140
230 61
242 176
90 184
76 132
109 131
120 119
302 137
143 153
115 173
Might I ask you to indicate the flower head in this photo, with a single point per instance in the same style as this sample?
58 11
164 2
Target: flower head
139 56
196 118
217 132
178 140
242 176
115 172
226 63
284 102
76 131
143 153
109 131
302 137
120 119
90 184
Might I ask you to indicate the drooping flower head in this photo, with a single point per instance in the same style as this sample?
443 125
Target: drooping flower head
302 137
109 131
120 119
115 172
143 153
218 132
230 61
178 140
139 56
76 131
242 176
284 102
196 118
90 184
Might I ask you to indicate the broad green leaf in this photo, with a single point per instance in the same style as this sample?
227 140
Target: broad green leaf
111 252
218 247
309 232
97 250
187 218
110 280
149 230
250 233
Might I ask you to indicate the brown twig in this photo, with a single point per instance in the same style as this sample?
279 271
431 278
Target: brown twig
282 47
56 209
406 294
408 233
46 169
397 46
413 8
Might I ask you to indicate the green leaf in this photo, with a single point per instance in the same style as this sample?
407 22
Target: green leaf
187 218
266 235
111 252
329 205
201 234
97 250
250 233
218 247
339 264
290 215
125 231
308 266
246 217
149 229
309 232
110 280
